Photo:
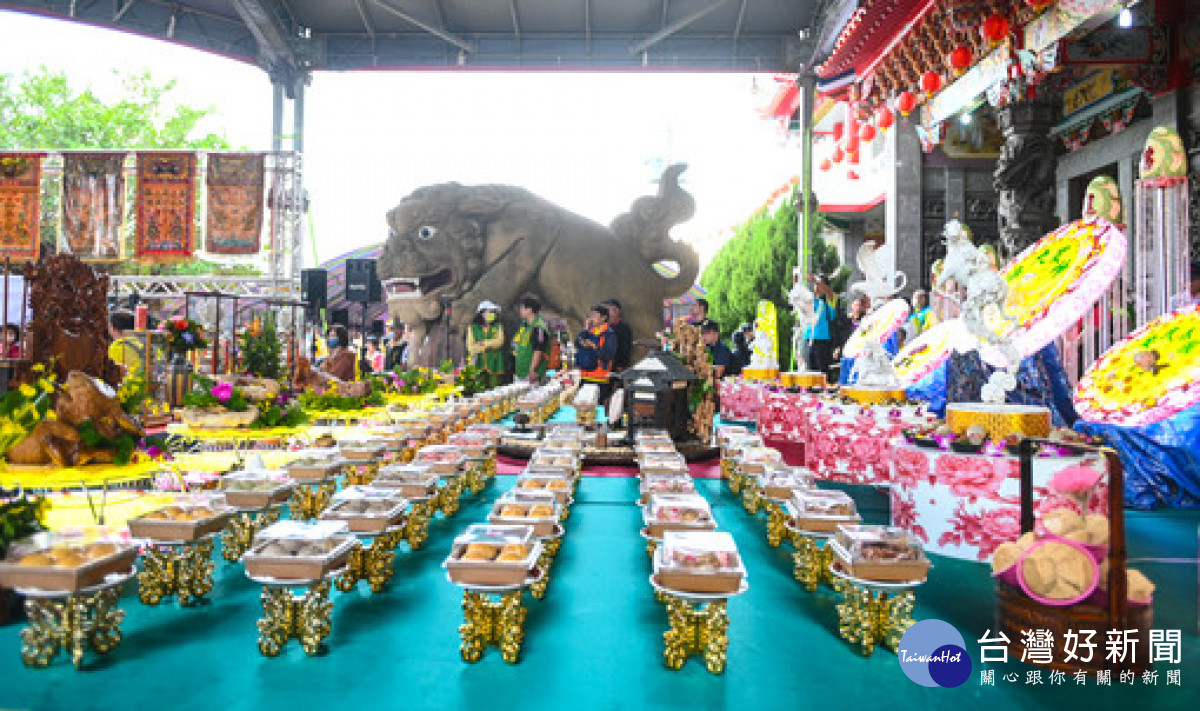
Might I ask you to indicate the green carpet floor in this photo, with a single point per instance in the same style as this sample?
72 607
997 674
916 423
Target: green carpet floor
595 642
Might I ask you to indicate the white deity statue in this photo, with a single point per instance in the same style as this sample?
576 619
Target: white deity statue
873 367
879 282
969 265
762 351
804 308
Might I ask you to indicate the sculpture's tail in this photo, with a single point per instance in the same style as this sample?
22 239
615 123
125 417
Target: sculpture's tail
647 226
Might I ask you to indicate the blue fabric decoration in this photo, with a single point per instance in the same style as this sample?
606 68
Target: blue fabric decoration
1040 381
1162 461
932 390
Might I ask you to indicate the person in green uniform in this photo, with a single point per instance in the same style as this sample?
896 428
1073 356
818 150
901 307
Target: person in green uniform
531 345
485 343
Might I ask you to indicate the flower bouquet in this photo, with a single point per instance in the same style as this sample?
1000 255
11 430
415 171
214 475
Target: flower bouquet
22 408
183 335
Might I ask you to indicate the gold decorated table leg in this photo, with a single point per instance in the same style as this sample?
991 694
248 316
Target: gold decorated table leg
651 546
306 618
550 550
449 494
181 569
726 468
416 524
751 494
239 534
476 478
776 522
867 617
361 473
811 562
485 622
700 629
897 618
735 479
312 497
372 563
73 623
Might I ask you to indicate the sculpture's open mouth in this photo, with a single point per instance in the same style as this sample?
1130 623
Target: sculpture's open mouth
415 288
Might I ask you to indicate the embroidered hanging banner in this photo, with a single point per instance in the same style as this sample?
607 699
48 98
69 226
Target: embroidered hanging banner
166 205
235 202
93 205
20 200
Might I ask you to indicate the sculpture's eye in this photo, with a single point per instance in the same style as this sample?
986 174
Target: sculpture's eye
426 232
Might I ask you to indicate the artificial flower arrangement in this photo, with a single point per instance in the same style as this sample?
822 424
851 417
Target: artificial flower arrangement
183 334
224 405
414 381
331 401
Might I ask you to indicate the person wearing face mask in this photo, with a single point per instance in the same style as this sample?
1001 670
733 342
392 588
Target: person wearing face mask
485 342
340 362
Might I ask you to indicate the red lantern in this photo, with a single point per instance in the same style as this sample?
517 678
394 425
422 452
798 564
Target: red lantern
906 102
885 118
994 29
838 130
960 58
851 144
838 156
825 165
931 82
867 133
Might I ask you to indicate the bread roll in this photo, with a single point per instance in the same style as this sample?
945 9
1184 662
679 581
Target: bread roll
1026 541
1096 526
541 511
38 558
513 511
1004 556
97 551
1060 522
1039 573
480 551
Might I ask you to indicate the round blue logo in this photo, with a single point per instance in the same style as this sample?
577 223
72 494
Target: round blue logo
933 653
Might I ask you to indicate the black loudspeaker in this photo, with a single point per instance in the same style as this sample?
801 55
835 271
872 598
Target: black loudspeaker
362 286
340 317
314 288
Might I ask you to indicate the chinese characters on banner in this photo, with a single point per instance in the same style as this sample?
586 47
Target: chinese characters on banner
1119 647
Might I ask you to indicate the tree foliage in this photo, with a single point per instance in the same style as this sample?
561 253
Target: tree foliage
757 263
43 111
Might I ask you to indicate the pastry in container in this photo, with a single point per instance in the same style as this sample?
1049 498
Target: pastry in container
491 433
367 509
734 447
541 515
474 445
303 551
487 554
780 482
883 553
699 562
366 449
822 510
180 523
411 480
553 482
653 446
726 433
651 434
677 512
562 459
666 484
65 566
443 459
257 489
315 465
662 463
756 460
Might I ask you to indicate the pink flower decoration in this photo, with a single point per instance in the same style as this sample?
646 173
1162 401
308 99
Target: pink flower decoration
222 392
1076 481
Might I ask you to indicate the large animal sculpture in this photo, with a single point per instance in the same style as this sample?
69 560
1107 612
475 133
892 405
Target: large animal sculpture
452 246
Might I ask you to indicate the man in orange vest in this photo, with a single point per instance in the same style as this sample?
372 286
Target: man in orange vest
595 348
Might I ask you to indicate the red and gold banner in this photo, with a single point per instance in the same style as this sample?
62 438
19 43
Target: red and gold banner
235 202
93 205
20 200
166 205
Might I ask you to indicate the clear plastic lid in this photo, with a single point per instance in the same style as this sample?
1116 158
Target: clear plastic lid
668 484
881 543
568 431
440 453
654 445
314 457
558 458
791 477
303 530
741 442
258 480
467 438
494 534
544 482
823 502
702 551
663 461
414 471
360 493
360 444
726 433
761 456
651 434
679 508
514 507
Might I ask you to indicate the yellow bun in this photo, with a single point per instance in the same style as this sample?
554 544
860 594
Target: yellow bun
1039 574
557 484
1004 556
511 557
38 558
97 551
69 559
1060 522
540 511
533 484
513 511
1026 541
1096 526
1139 586
484 550
1079 536
156 516
476 555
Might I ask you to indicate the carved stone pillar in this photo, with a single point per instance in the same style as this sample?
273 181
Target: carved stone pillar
1024 175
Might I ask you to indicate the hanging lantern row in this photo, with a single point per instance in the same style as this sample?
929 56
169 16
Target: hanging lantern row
960 59
994 29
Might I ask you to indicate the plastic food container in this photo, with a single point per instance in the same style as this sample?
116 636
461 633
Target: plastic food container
298 550
699 561
822 510
677 512
493 555
367 509
886 553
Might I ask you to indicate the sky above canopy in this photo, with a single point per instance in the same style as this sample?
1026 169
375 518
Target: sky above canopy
590 142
